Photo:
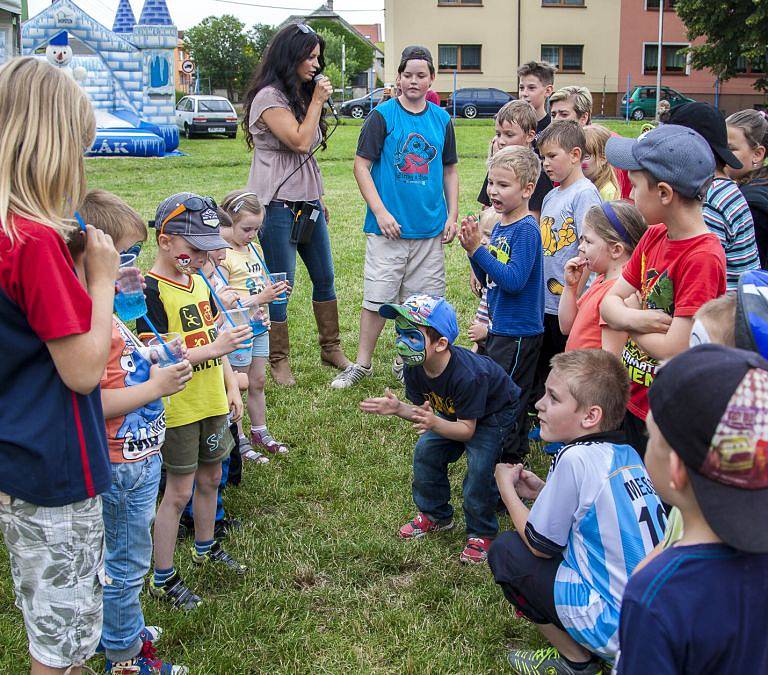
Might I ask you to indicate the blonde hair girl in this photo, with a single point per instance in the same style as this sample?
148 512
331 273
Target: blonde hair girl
595 165
56 339
609 234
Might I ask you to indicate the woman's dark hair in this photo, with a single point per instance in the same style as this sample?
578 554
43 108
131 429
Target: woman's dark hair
277 68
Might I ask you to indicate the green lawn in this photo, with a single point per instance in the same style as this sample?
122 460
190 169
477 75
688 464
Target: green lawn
330 589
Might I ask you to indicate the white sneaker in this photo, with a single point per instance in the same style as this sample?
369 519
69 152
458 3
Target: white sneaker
397 371
351 375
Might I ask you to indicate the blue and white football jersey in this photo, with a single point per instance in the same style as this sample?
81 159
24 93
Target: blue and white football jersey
600 511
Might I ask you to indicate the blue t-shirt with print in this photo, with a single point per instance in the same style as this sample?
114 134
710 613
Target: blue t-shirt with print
408 151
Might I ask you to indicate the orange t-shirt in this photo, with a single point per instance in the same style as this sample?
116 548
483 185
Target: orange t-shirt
587 329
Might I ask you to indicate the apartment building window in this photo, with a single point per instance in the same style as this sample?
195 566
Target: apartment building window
567 58
563 3
669 5
457 3
464 58
673 59
746 67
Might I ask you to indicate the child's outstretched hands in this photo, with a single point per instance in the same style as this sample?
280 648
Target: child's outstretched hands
575 269
470 235
388 404
171 379
424 419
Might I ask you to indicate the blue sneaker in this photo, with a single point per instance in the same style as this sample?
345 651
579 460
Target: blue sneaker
146 663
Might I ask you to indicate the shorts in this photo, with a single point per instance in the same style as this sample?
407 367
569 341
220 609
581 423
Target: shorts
260 349
206 441
395 269
57 565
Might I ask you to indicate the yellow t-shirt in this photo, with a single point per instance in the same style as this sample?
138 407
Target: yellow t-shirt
245 271
187 310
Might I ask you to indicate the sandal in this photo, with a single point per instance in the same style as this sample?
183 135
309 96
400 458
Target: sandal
250 455
263 440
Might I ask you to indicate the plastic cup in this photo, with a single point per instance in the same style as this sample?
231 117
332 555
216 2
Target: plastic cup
259 327
129 298
281 299
168 354
238 316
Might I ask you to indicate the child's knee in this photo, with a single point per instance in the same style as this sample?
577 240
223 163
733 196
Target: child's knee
208 480
257 382
242 380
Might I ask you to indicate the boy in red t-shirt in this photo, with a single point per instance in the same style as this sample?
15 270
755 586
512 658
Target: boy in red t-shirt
678 264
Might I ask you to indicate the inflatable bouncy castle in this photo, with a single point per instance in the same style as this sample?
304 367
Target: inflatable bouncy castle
127 72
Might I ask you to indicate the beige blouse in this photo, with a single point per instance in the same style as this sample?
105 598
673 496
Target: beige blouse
273 160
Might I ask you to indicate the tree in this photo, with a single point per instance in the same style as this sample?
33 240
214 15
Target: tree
222 51
359 54
733 29
261 34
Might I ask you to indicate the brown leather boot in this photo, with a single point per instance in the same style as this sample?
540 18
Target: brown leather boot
279 350
327 317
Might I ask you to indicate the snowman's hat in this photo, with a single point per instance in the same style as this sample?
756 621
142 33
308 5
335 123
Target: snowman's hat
60 39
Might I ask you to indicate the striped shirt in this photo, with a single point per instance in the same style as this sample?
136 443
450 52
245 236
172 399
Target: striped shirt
599 510
727 215
481 316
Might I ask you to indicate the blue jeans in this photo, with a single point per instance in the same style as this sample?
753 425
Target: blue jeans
433 454
280 254
219 500
129 510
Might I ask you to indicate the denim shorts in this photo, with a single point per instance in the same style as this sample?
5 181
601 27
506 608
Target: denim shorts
242 359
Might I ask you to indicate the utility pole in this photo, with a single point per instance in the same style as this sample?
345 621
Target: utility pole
343 68
658 59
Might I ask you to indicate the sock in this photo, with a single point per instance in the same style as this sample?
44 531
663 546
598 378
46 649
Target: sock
259 430
576 665
202 547
161 576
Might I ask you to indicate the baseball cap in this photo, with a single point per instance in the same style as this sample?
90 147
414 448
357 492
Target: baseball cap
426 310
416 52
671 154
726 451
710 123
192 217
751 327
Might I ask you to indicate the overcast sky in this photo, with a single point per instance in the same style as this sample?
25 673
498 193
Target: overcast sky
187 13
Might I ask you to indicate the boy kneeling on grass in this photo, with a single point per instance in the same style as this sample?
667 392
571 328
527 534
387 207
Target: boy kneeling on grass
592 521
463 402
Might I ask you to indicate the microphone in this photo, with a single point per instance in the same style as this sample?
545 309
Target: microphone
319 77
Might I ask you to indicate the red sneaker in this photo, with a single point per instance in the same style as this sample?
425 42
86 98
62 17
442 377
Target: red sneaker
422 525
476 550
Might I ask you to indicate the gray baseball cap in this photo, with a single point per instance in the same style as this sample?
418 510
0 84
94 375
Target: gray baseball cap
671 154
192 217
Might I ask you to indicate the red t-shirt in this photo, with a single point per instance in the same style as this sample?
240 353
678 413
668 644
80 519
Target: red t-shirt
622 177
141 432
433 97
677 277
587 329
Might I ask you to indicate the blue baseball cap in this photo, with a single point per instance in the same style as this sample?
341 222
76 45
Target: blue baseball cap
426 310
671 154
752 312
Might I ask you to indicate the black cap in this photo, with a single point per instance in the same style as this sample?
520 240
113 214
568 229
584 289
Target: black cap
710 123
711 405
198 222
416 52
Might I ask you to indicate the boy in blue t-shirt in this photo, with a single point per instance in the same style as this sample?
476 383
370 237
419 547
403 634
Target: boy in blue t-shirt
511 268
700 606
406 170
463 402
592 521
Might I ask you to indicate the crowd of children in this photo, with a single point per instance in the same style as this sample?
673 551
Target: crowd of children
600 315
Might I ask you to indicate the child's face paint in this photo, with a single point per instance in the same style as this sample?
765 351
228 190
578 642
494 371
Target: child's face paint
410 343
183 262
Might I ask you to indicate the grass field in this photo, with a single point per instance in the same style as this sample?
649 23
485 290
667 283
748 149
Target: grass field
330 588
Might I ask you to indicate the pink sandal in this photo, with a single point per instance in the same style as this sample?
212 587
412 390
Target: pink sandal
263 440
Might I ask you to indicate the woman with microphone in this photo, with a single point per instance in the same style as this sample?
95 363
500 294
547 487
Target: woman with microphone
283 126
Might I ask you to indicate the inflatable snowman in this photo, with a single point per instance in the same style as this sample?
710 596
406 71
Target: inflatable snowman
59 53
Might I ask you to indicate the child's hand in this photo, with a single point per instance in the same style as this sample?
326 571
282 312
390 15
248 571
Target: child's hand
634 301
507 476
229 297
478 331
101 261
235 400
470 236
171 379
270 293
651 321
575 269
261 314
529 485
233 338
474 284
389 227
388 404
423 418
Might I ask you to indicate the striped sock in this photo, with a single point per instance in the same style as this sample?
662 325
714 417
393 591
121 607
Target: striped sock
161 576
259 430
202 547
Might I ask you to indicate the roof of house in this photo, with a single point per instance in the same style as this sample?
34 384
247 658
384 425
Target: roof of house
155 13
124 18
370 30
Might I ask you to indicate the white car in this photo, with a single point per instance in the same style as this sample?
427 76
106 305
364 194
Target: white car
206 115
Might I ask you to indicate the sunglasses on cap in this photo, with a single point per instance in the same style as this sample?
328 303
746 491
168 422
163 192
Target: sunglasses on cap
303 28
190 204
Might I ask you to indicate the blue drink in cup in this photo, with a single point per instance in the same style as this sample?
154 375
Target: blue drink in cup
166 354
129 298
238 316
281 299
257 324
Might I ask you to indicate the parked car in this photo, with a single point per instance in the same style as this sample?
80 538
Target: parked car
471 103
206 115
360 107
642 101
